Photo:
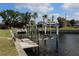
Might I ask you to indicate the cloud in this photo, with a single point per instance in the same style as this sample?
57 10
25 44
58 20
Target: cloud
40 8
71 6
43 8
73 9
76 15
1 19
54 14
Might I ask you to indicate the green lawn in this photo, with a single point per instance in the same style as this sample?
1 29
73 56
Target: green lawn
7 47
69 28
4 33
65 28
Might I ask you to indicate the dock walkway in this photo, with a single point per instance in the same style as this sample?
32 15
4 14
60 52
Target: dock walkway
26 43
22 44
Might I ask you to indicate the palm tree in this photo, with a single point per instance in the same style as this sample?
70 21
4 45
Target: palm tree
44 23
52 18
34 16
25 18
9 17
49 28
44 17
3 15
6 18
27 21
15 20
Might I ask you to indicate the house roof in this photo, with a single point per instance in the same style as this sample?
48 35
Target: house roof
53 24
2 24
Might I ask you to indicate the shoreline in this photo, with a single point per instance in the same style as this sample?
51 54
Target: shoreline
62 31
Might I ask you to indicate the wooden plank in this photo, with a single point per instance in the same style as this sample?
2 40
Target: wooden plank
20 50
27 43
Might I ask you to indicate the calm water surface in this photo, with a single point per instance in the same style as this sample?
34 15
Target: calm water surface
68 45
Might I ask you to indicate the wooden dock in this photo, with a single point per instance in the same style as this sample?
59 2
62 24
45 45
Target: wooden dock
22 44
27 43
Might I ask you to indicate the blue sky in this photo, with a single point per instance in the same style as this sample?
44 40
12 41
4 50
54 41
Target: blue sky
56 9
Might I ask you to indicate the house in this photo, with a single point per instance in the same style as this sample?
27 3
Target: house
76 25
3 26
41 24
47 24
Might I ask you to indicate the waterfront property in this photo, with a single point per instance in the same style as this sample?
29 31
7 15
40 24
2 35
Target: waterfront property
39 29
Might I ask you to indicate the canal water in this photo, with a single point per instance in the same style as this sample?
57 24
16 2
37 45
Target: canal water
63 45
68 45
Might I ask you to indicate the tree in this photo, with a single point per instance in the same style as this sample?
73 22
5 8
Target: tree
34 16
68 23
49 21
4 16
25 18
52 18
14 20
61 21
72 22
9 16
44 18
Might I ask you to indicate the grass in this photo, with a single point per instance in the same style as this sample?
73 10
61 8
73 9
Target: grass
65 28
4 33
69 28
7 47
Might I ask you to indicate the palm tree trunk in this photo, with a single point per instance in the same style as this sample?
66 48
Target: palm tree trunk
50 30
45 29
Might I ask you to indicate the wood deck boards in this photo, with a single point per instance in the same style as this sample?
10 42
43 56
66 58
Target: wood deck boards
27 43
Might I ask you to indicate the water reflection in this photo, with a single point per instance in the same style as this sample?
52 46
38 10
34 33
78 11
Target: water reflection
67 45
47 45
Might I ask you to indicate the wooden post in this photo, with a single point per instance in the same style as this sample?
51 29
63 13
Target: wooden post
57 37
